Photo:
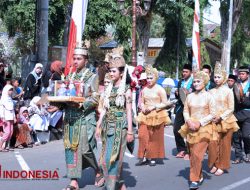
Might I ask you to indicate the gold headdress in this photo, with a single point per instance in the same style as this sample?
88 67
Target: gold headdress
82 49
219 70
202 75
107 76
115 58
151 71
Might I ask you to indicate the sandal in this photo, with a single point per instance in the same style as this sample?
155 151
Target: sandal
213 170
219 172
181 154
99 181
70 187
4 150
237 161
247 158
20 147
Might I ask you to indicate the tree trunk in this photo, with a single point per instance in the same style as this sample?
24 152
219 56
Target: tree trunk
143 32
237 9
67 24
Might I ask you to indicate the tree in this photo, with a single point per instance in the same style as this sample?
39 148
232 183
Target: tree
241 39
237 9
19 18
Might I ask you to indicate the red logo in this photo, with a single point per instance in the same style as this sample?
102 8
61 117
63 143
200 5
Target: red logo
28 175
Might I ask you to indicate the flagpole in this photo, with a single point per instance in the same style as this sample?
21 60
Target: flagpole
196 62
229 40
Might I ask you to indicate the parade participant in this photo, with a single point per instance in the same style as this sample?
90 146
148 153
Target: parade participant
8 117
208 69
33 83
115 122
220 151
142 82
80 123
152 120
243 116
107 81
199 111
232 79
186 84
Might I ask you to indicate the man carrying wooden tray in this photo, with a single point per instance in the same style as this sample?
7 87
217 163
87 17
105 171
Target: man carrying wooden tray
80 123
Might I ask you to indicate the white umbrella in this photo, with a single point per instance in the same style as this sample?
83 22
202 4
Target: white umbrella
168 82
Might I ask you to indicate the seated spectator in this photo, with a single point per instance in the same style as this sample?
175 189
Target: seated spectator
39 119
33 84
22 131
56 122
17 94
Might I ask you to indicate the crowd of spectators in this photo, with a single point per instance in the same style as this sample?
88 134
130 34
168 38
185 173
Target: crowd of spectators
25 119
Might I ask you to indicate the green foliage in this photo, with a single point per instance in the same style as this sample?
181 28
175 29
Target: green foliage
178 17
157 26
205 59
19 18
241 39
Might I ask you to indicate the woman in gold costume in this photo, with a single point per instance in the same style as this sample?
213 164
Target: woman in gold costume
152 119
220 151
199 111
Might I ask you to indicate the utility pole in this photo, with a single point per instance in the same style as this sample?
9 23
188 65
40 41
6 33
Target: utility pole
229 39
42 31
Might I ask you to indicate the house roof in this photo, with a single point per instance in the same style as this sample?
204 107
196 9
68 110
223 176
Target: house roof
153 43
189 41
109 45
156 42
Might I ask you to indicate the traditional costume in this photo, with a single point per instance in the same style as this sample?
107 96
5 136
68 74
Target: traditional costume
151 125
199 109
220 151
186 85
114 126
243 115
80 123
210 85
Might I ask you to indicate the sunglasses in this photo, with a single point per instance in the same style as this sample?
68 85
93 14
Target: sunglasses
150 78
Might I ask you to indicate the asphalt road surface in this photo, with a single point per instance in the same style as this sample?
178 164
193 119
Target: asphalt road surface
172 174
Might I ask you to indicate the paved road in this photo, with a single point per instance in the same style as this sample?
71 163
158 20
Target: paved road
172 174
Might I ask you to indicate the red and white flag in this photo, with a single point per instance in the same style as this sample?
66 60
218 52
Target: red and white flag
77 24
196 61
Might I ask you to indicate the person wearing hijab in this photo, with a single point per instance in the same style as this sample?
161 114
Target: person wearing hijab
8 116
56 69
33 83
39 119
22 131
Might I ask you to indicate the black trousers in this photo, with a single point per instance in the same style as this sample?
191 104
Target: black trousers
178 122
243 135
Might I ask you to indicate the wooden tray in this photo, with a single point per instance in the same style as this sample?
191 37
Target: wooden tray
65 99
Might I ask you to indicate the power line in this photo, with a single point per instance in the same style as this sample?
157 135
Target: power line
210 20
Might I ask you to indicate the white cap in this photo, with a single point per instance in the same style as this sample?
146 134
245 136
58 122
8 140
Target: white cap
80 51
